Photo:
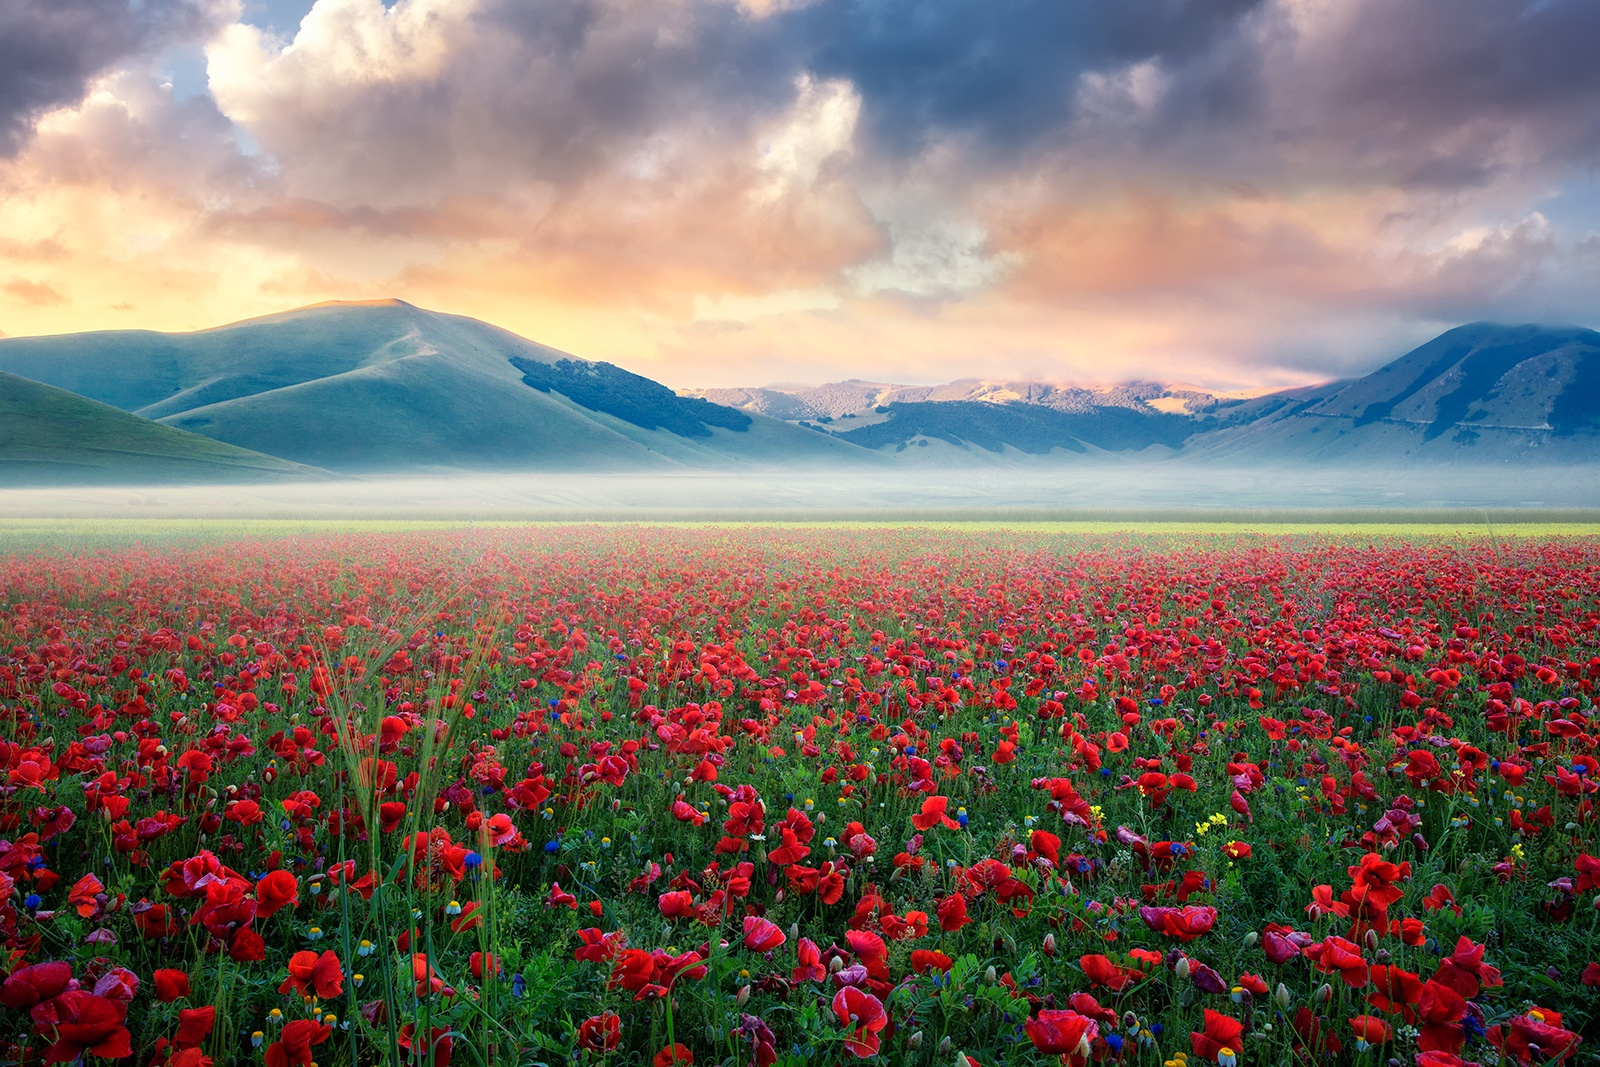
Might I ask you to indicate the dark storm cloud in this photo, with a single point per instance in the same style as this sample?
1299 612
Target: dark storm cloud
1002 71
50 49
1450 94
577 77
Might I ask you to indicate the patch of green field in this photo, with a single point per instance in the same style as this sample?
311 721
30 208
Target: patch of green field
49 436
75 534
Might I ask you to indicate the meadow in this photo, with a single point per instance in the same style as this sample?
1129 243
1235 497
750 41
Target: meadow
379 793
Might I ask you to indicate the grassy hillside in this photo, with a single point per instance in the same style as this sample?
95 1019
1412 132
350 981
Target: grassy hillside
1478 394
51 436
387 387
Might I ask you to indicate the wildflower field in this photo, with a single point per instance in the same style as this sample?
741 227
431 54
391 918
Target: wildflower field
763 795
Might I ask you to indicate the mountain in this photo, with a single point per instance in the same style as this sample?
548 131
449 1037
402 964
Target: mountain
51 436
1011 419
837 400
384 386
1481 393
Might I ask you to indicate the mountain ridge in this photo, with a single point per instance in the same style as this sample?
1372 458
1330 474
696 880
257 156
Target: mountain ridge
373 387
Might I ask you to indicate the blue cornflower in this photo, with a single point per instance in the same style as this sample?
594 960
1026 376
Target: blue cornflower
32 902
519 984
552 846
473 859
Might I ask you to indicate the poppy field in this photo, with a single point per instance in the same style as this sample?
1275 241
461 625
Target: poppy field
763 795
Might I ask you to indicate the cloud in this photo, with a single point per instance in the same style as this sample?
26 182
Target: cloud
50 50
33 294
726 191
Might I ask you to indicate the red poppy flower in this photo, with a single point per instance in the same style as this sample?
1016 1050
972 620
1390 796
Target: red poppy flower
84 1023
933 814
1535 1037
761 935
671 1055
194 1026
1102 972
276 890
440 1044
810 967
309 973
1336 954
1440 1009
1370 1030
28 986
863 1016
600 1033
1063 1033
170 984
1221 1032
1185 923
952 912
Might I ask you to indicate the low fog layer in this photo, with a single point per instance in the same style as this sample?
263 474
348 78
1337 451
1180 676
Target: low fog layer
790 494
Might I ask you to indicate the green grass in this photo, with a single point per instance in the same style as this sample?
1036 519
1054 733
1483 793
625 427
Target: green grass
51 436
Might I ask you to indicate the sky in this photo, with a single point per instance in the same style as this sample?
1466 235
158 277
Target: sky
1231 193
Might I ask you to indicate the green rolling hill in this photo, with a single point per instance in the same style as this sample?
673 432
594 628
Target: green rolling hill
384 386
49 436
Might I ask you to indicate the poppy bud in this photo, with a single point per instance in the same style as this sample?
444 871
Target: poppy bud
1324 993
1251 938
1283 995
990 976
836 965
944 1047
915 1040
1182 967
1371 940
1050 944
743 996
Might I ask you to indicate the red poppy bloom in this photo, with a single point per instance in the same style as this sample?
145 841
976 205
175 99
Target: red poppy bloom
194 1026
170 984
863 1016
933 814
276 890
1102 972
761 935
810 967
600 1033
309 973
84 1023
952 912
1370 1030
1063 1033
28 986
1221 1032
440 1044
1535 1037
